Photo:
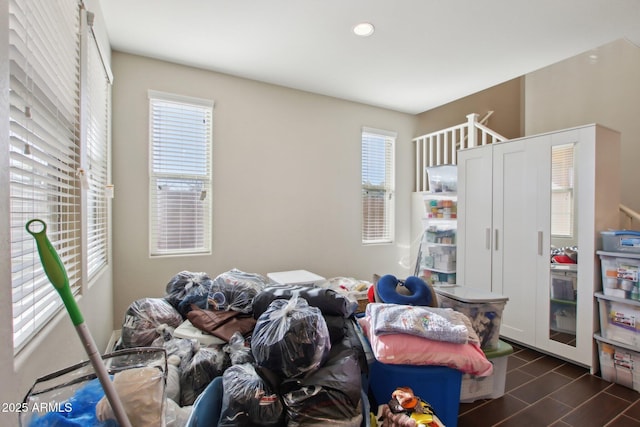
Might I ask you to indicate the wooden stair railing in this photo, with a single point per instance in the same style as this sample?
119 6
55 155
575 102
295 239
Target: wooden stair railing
629 219
440 147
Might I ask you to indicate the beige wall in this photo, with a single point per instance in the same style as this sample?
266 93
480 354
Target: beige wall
581 90
570 93
286 171
503 99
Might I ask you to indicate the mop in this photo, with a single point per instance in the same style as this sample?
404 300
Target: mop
57 275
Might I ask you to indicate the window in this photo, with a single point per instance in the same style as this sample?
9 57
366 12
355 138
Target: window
180 174
44 153
377 186
562 181
97 124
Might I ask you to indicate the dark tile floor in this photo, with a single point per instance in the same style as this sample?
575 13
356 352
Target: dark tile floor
544 391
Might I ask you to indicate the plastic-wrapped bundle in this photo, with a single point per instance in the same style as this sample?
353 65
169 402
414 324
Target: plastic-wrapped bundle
290 338
142 321
186 288
182 347
235 290
142 393
238 351
248 400
206 364
330 395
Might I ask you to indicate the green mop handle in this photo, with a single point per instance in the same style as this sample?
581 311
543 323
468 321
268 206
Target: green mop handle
57 274
55 271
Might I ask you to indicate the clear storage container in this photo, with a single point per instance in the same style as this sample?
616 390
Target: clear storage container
490 387
621 241
619 363
483 308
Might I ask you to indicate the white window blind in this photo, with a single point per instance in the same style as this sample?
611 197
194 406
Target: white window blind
97 121
377 186
180 174
562 181
44 64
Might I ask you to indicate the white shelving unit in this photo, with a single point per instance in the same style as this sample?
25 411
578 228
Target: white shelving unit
436 254
619 310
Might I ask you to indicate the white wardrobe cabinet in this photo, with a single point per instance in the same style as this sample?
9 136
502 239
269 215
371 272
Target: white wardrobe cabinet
508 194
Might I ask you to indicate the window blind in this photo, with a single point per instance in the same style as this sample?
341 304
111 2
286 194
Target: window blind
562 182
44 64
377 186
98 96
180 174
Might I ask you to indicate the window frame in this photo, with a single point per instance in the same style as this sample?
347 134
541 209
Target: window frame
562 212
97 80
200 180
383 166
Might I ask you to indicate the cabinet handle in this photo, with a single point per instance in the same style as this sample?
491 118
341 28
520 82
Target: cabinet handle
495 243
539 242
487 238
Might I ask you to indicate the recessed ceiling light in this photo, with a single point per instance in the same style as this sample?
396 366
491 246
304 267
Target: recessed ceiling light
364 29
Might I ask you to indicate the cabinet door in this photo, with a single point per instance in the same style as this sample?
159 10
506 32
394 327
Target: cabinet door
474 217
515 235
568 326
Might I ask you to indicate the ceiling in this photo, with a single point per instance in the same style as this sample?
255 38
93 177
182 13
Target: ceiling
423 54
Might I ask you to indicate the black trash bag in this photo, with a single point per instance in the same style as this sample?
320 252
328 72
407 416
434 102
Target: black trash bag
145 320
330 395
290 338
186 288
248 400
206 364
329 301
235 290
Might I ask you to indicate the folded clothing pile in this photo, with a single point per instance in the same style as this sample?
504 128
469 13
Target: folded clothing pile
411 335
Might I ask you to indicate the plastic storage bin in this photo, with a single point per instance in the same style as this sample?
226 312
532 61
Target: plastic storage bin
73 396
443 178
620 274
443 233
438 385
619 319
440 257
441 207
619 364
621 241
491 387
483 308
438 278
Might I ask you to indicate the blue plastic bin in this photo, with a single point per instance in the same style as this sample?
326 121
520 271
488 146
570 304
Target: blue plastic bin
437 385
